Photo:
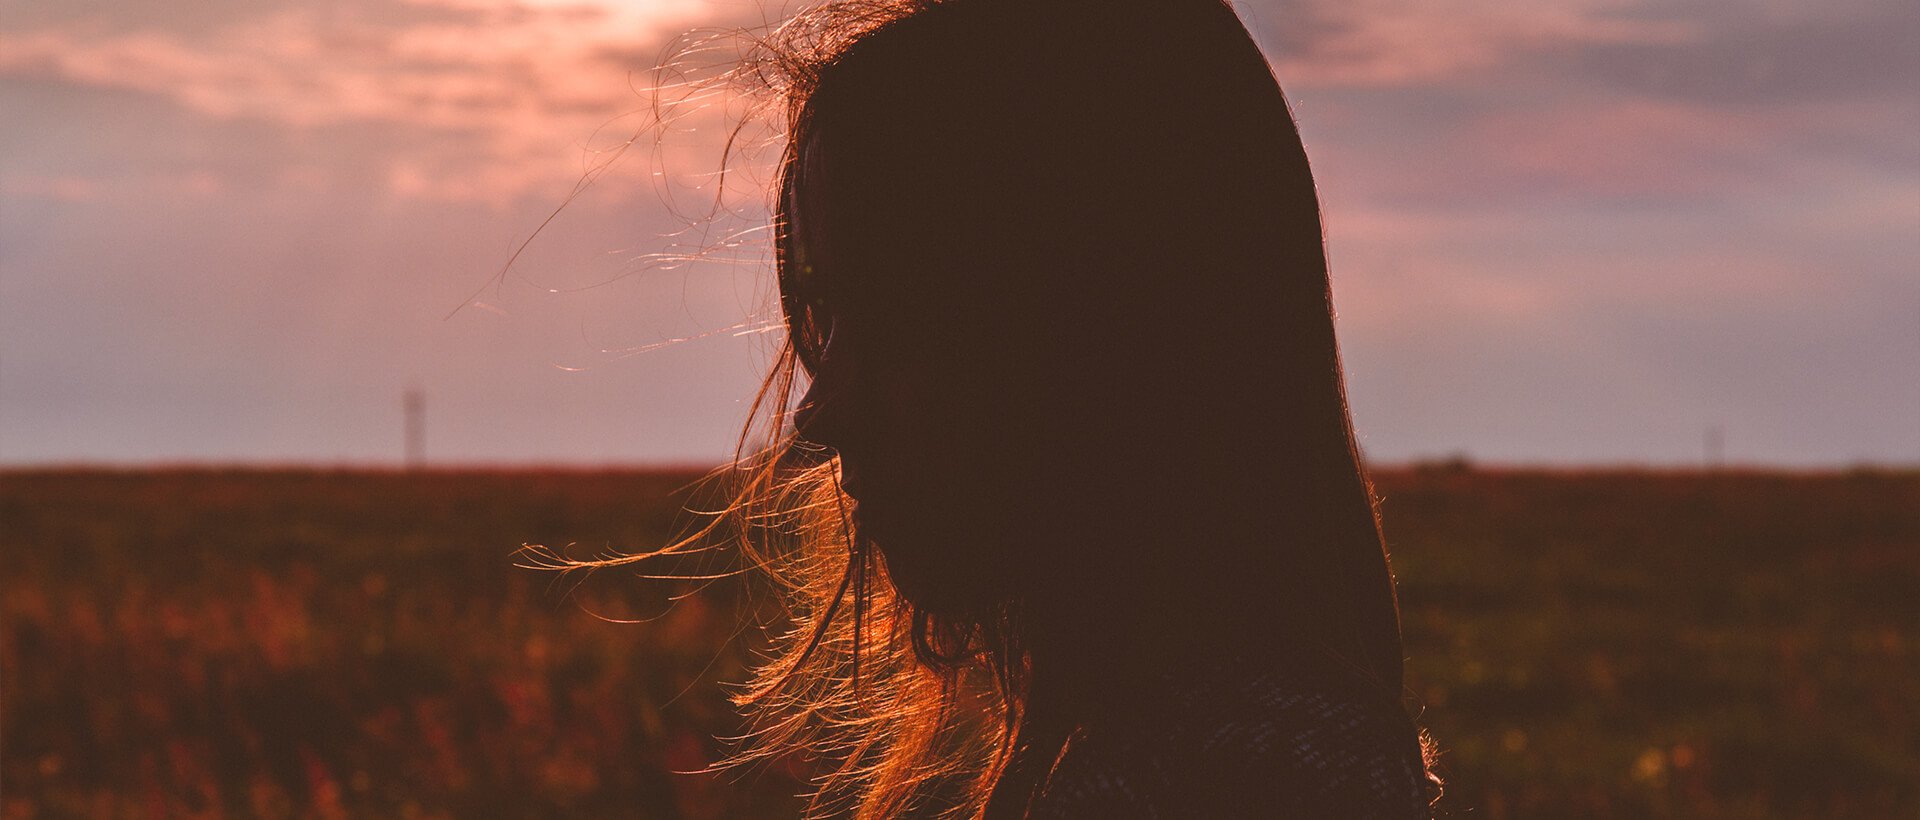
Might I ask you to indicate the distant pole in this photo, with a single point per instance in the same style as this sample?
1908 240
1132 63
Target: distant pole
414 403
1716 444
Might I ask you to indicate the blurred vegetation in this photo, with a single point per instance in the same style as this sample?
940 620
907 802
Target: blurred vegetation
1670 644
345 644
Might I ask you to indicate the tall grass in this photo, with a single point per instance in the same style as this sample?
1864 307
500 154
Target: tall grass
344 644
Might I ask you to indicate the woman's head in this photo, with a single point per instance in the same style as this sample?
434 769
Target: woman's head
1055 269
1053 272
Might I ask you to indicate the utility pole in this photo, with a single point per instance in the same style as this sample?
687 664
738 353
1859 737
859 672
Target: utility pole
1716 445
414 404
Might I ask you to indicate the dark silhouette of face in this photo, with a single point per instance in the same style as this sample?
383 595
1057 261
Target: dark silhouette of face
872 416
912 456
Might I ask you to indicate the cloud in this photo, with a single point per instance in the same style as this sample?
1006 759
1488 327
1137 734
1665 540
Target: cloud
1741 53
1417 43
1710 51
1462 104
59 188
511 85
489 100
1640 149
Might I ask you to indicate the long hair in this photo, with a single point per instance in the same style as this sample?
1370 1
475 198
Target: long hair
1093 223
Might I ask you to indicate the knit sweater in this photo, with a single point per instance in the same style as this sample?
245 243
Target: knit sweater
1242 741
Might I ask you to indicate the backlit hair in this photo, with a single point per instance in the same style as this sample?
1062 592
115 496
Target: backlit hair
1117 235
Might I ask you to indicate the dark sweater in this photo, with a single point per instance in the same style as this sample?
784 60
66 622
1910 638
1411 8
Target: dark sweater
1243 741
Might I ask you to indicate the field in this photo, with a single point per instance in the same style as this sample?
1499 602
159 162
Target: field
346 644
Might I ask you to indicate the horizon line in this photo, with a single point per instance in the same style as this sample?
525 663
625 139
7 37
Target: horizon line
1449 462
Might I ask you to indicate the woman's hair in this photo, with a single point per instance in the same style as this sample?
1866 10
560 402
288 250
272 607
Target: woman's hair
1092 223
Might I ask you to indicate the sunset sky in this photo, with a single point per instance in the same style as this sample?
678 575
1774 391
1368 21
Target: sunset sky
1565 231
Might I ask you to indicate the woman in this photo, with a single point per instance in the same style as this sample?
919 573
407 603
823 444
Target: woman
1071 514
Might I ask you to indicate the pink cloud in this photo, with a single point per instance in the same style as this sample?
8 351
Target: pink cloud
1424 42
523 83
197 183
57 188
1637 147
1625 147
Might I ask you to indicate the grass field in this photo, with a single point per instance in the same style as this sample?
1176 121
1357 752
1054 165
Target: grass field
349 644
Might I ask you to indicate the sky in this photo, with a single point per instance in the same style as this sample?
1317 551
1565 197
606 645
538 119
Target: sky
1561 231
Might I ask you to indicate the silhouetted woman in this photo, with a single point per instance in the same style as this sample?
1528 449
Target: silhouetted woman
1071 516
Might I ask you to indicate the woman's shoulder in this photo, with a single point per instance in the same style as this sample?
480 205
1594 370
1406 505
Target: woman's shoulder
1245 742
